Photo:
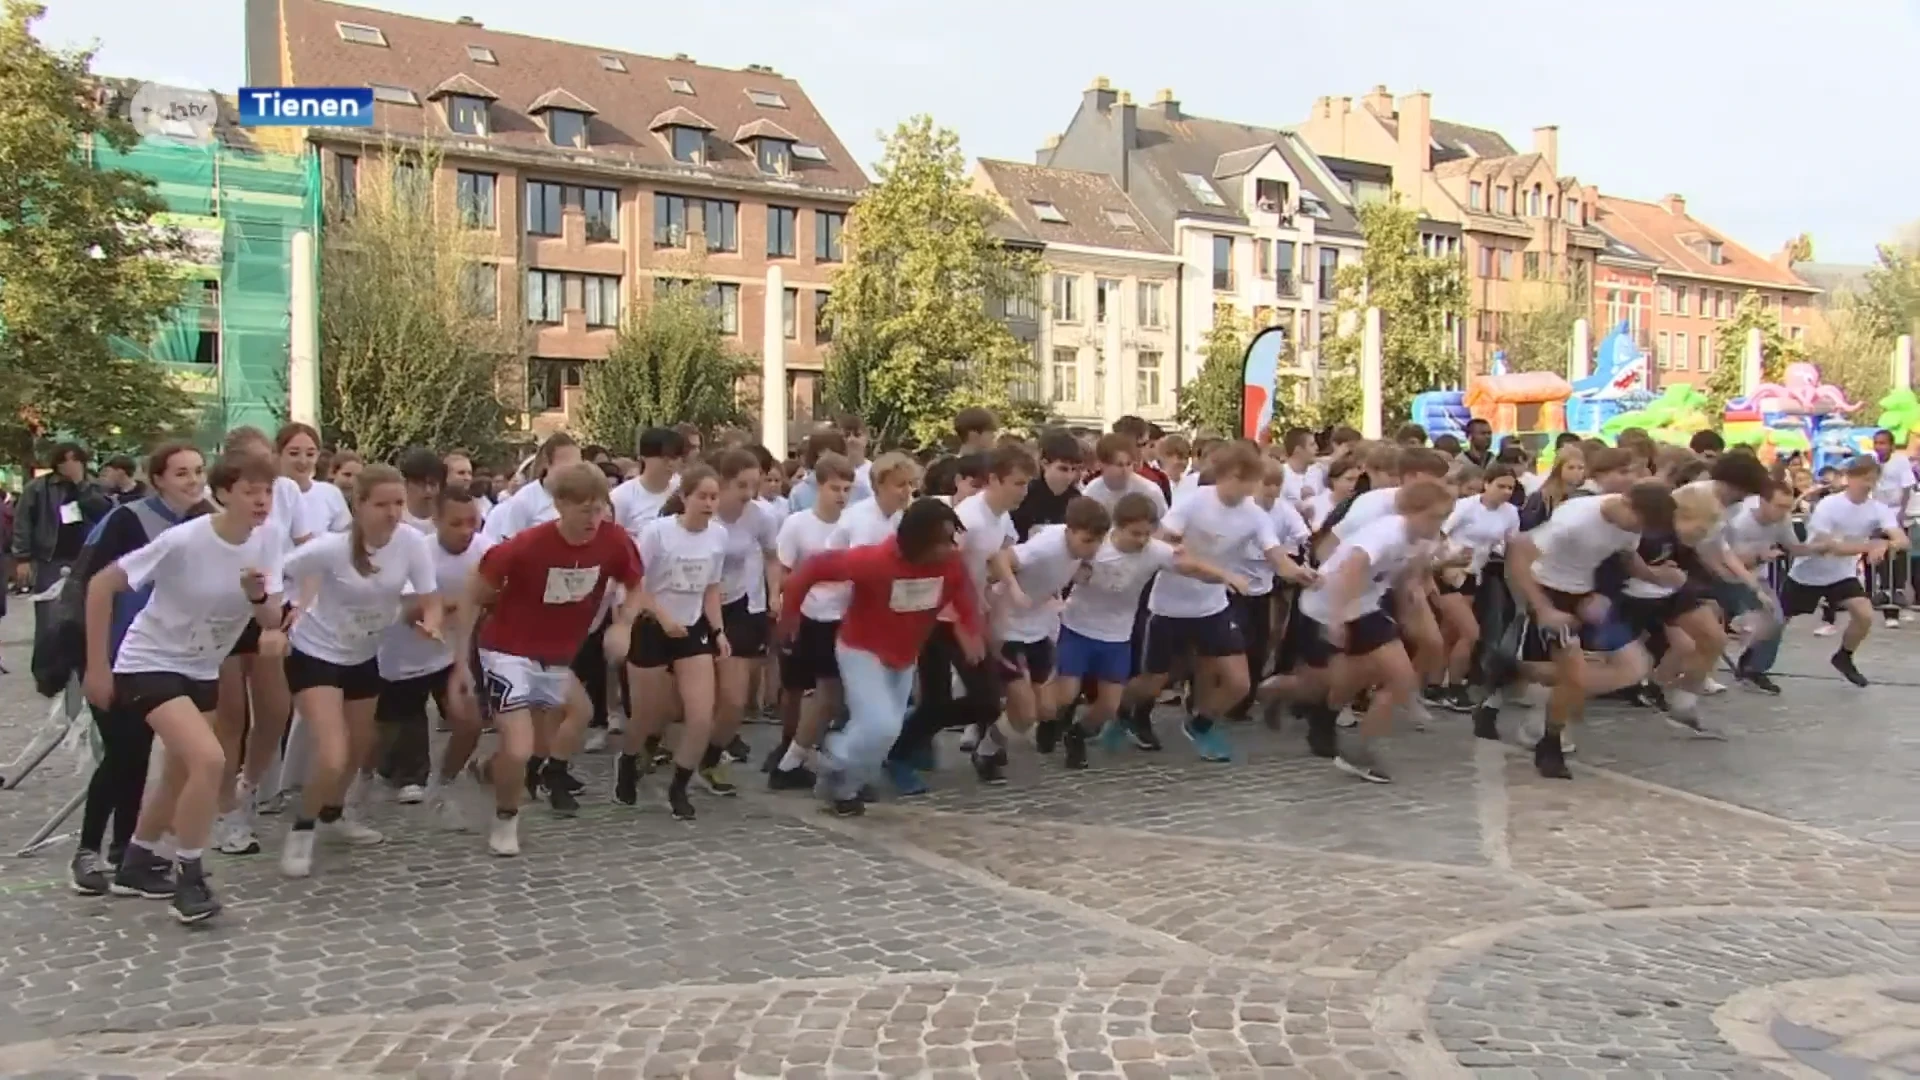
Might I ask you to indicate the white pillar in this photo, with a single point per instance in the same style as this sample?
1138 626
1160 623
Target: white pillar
1580 360
1371 347
1750 363
1112 404
773 366
1903 363
303 347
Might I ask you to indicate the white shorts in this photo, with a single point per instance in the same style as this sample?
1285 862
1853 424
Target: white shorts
514 682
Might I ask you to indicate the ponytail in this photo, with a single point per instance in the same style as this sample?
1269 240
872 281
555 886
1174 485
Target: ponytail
370 478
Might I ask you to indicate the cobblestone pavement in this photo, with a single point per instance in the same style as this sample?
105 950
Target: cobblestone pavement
1681 910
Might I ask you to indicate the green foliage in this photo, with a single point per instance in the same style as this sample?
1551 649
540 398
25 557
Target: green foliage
1211 401
1849 353
914 340
1539 337
1889 302
1776 352
670 364
81 262
409 353
1415 293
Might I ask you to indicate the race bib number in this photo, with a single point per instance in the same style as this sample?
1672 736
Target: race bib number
570 585
216 636
685 576
363 623
1108 577
70 513
915 594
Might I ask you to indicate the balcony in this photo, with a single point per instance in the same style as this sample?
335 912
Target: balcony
1284 285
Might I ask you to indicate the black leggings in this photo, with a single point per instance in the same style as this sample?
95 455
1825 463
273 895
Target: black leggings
937 708
590 666
119 780
405 747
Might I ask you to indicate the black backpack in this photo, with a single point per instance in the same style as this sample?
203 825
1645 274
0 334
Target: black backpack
62 655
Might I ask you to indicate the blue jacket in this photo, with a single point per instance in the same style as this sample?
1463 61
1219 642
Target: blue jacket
134 537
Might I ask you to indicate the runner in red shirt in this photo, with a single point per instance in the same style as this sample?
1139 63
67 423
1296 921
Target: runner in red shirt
899 587
545 587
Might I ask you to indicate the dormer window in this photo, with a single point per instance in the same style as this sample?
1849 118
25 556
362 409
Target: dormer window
1270 195
772 146
685 134
688 144
465 101
1716 253
565 115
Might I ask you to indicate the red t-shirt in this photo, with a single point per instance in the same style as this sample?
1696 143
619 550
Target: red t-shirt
895 602
550 590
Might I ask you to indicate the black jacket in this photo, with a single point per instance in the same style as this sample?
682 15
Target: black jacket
36 521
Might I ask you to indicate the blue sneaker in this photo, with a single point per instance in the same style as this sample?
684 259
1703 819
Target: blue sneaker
1113 736
905 780
1210 743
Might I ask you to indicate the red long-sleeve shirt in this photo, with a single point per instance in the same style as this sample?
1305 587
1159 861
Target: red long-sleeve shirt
894 601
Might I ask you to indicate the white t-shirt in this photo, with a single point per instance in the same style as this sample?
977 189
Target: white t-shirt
324 508
804 534
1097 490
288 515
1298 487
422 525
1531 482
1318 507
198 608
634 505
1575 541
1043 566
986 533
1896 480
778 506
862 523
406 653
1837 517
1748 538
1368 507
1484 530
1189 482
531 505
1293 532
679 564
1212 532
749 538
1389 552
350 612
1103 604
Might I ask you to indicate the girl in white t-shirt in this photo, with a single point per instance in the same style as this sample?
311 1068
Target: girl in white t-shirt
1341 476
749 587
358 584
1476 534
211 577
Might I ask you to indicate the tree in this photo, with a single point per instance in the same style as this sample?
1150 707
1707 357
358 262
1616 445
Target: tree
1539 337
415 344
670 364
1850 356
913 337
1211 401
1777 350
1889 300
1416 294
81 262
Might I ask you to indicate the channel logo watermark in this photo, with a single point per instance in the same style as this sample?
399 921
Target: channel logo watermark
304 106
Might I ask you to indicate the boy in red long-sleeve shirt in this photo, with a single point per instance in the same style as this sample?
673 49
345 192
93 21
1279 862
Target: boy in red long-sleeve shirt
899 587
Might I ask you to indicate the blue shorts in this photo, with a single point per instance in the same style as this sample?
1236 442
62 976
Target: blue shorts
1079 657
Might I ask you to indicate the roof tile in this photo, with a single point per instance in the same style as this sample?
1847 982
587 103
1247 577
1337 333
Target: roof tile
763 129
463 84
1092 203
559 98
1676 242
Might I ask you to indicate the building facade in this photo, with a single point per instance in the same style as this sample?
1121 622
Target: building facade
600 174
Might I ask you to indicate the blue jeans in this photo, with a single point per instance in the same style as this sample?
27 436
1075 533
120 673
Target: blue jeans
876 706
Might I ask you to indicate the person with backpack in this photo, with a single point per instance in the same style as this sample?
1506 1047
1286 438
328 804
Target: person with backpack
56 513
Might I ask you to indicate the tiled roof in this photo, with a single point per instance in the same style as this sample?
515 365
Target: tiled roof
763 129
1092 204
1196 144
421 54
559 98
1677 243
463 84
1458 140
1617 248
680 116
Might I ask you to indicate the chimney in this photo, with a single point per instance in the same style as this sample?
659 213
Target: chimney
1415 134
1044 156
1168 105
1675 205
1323 108
1342 108
1128 137
1379 102
1100 95
1546 143
468 20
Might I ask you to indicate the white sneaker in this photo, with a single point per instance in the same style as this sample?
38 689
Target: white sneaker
1347 718
353 832
278 802
233 834
616 723
1825 629
296 859
970 738
411 794
447 814
504 838
1893 622
1710 687
596 741
1416 713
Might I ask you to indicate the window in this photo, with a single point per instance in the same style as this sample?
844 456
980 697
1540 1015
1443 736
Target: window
782 227
826 235
1329 272
1549 206
474 196
808 152
601 299
548 381
1723 304
774 156
361 34
1263 258
1716 253
1533 201
722 223
822 322
1065 376
1505 259
1663 297
669 220
1066 298
567 128
1680 343
1022 302
1270 195
688 144
1680 300
1283 258
767 99
466 115
1106 297
1486 262
480 54
1476 195
1663 351
480 290
409 183
610 62
1146 379
546 296
725 298
1575 216
1222 262
393 95
1202 190
1530 265
1047 212
1797 333
1314 208
346 182
1122 220
1706 352
602 207
1500 199
1147 299
543 208
790 314
679 85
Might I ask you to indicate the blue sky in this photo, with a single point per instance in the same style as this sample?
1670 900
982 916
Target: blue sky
1770 116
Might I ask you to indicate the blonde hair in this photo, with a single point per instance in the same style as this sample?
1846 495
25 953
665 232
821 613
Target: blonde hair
1697 511
888 464
371 478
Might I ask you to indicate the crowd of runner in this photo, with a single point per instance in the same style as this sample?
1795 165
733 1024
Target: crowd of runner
281 617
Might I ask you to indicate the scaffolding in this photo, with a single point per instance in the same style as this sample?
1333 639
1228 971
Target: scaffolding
238 210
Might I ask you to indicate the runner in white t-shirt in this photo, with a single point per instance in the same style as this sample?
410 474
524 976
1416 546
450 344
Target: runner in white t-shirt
809 667
1051 559
1843 527
1477 531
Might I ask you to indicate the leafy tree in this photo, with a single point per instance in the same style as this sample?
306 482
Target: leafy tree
1850 356
1539 336
419 331
1416 293
670 364
1211 401
1777 350
913 337
1889 300
81 262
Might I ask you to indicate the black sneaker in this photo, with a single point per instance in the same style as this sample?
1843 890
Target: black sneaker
626 779
89 879
1458 699
193 900
681 806
1843 663
1761 681
533 780
1140 729
115 853
1548 760
1075 741
1322 735
1486 723
557 777
771 763
142 873
798 778
848 808
563 802
1046 735
1434 695
990 767
739 751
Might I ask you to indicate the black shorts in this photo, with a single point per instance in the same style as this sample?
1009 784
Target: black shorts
809 659
747 631
404 701
356 682
1374 630
1170 637
1469 585
139 693
1030 660
249 643
1650 614
652 648
1801 599
1539 644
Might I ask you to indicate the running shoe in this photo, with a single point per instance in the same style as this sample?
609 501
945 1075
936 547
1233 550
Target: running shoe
1209 741
739 751
1825 629
143 873
626 780
1459 699
410 795
193 899
1761 681
904 777
562 802
1549 758
278 802
296 859
680 805
1140 730
596 742
847 808
1486 722
1046 734
559 774
1892 622
503 839
1710 686
718 780
798 778
1113 735
989 763
236 836
970 738
1322 731
89 879
352 832
1843 663
1356 758
1074 742
445 808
